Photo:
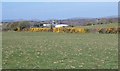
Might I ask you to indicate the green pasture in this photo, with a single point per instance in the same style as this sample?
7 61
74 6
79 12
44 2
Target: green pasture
111 25
47 50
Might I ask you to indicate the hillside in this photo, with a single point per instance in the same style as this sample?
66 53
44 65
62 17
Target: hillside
100 26
71 21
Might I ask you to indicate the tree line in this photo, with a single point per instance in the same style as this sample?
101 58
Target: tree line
16 25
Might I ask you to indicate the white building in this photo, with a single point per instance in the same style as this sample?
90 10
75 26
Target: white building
46 25
56 25
61 25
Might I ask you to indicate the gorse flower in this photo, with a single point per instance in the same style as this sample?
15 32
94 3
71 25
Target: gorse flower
75 30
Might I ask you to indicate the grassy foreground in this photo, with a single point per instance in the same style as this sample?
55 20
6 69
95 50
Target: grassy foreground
0 50
28 50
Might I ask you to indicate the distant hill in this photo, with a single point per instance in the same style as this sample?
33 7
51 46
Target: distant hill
77 21
7 20
85 21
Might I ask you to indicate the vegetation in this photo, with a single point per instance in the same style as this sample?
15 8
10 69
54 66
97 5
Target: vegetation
16 25
22 25
0 50
39 48
47 50
106 28
100 26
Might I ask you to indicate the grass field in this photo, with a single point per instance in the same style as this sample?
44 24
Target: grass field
0 50
28 50
101 26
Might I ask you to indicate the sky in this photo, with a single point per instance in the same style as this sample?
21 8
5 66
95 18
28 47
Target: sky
57 10
60 0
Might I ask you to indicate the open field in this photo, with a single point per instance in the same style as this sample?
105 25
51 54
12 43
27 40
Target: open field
0 50
44 50
101 26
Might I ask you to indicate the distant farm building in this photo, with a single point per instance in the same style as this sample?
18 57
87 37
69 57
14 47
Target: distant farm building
46 25
54 24
61 25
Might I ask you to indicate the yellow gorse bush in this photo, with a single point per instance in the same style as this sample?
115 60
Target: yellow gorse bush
59 30
74 30
39 29
18 29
